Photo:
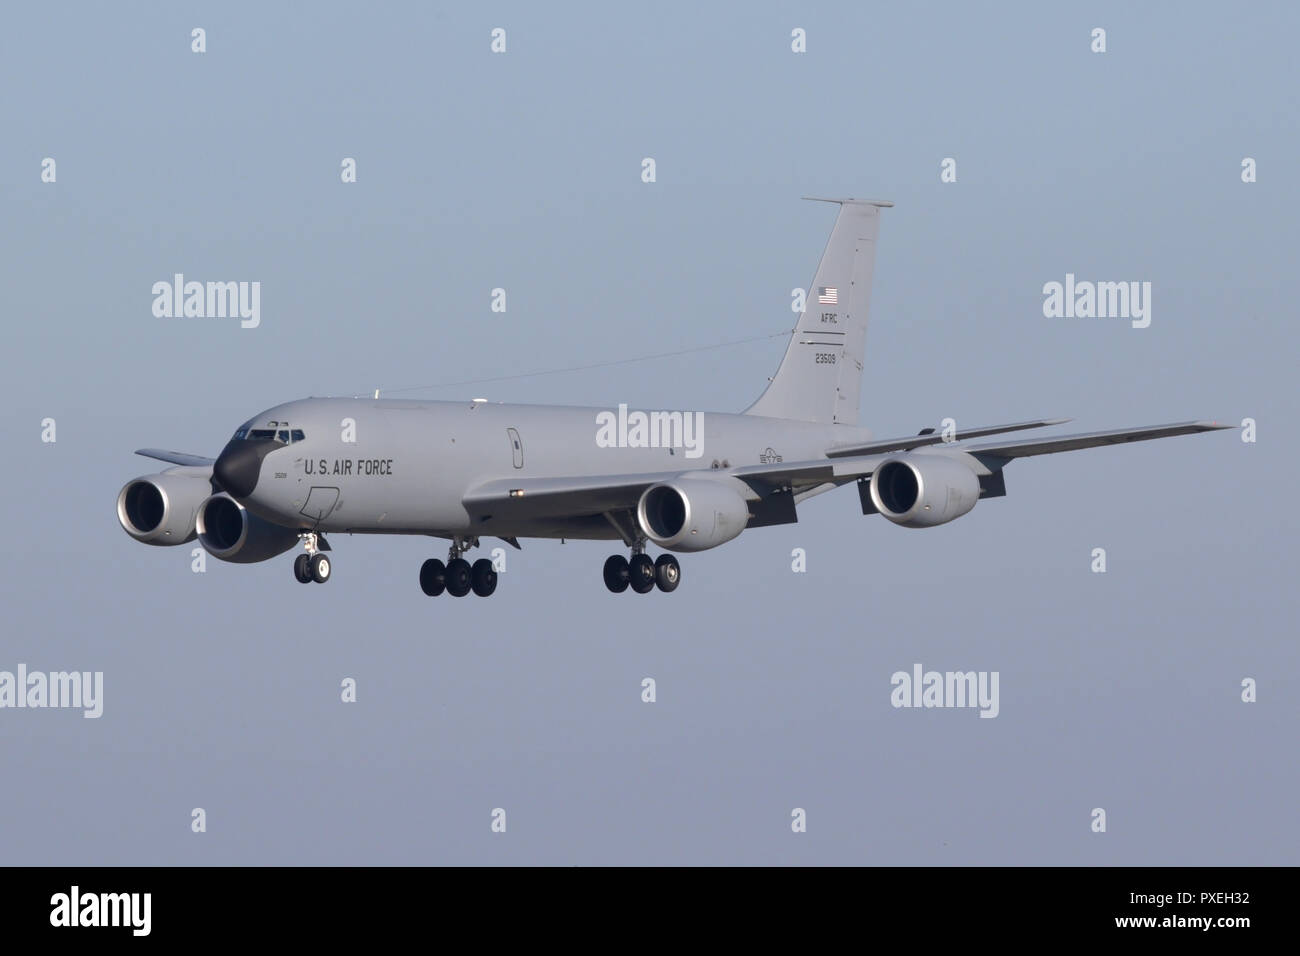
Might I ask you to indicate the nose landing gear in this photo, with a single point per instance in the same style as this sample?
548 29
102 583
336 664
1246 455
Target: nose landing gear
313 564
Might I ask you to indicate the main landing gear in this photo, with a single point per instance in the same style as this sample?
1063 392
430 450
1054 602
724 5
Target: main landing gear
641 573
314 564
458 577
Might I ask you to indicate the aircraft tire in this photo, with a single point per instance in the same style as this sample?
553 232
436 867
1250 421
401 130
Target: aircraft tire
483 577
668 573
433 577
320 567
616 573
458 577
642 571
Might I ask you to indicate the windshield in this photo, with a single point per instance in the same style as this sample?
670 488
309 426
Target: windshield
284 436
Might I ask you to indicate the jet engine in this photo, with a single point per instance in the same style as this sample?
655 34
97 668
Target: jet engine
692 514
161 509
920 491
230 532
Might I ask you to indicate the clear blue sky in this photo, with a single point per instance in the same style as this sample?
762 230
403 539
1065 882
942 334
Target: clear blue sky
522 171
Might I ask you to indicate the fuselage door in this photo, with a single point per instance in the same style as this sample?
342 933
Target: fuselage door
320 502
516 446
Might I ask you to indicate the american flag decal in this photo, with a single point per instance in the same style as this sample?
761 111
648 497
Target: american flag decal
827 296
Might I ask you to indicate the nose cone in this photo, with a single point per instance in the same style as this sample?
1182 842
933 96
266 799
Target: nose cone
239 465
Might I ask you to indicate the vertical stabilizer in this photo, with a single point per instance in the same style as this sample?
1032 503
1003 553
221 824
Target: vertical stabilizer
820 378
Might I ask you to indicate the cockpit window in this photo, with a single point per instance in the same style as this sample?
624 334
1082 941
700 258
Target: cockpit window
284 436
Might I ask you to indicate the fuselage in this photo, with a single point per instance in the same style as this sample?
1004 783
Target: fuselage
381 466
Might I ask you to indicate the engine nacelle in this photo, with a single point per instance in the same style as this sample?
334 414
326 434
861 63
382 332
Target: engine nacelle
229 531
161 509
692 514
921 491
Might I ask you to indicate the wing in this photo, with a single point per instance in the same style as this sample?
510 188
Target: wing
175 457
1027 447
533 498
930 437
801 475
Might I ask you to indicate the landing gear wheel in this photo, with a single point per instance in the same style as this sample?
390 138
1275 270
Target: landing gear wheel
483 577
668 573
617 574
641 571
433 577
458 577
300 569
320 567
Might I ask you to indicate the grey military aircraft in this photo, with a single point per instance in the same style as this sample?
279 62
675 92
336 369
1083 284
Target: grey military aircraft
683 481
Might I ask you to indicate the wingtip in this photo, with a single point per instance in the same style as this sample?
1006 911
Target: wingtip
842 200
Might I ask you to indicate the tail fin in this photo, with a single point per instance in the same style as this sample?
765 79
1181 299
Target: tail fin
820 378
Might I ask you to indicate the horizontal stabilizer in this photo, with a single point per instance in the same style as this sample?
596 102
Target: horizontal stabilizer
845 200
175 457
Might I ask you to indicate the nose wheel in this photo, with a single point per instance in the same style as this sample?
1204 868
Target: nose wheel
641 573
312 564
319 566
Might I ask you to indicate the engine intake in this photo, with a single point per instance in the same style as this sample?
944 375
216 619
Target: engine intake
921 491
161 509
692 514
229 531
